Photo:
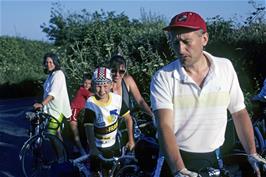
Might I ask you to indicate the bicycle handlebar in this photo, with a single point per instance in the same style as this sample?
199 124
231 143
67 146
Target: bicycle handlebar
123 154
39 114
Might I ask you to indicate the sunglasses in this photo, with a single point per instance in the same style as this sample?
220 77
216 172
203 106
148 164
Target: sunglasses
114 71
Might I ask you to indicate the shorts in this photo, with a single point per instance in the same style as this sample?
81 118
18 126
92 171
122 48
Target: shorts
75 114
53 125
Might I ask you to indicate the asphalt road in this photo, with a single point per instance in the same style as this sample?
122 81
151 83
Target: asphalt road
13 133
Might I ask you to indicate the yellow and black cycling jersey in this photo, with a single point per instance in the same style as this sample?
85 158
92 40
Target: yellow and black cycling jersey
104 118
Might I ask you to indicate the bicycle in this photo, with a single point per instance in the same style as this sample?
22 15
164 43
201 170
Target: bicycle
231 163
42 150
124 165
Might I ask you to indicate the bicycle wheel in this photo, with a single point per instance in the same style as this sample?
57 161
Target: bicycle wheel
40 153
259 140
128 171
126 167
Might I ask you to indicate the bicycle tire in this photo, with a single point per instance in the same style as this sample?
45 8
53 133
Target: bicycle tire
40 153
127 171
259 140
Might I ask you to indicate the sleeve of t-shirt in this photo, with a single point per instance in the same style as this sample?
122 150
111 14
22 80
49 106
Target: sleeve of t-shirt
236 95
124 109
89 117
85 93
57 82
161 93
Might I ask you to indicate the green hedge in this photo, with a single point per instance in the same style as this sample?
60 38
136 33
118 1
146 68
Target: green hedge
21 59
85 40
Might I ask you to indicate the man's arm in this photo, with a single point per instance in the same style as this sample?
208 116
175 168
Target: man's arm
244 130
167 139
245 133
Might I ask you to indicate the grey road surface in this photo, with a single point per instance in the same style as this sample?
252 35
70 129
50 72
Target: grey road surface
13 133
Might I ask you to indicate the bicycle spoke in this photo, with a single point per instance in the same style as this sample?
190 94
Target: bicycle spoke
40 154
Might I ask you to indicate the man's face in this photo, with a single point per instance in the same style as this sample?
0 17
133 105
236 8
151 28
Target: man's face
188 45
102 90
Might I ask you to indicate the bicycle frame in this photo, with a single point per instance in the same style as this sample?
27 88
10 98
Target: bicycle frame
40 139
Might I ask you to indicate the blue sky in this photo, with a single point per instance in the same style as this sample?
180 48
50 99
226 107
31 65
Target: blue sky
23 18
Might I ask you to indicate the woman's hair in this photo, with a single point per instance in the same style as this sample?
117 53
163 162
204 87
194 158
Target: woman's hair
55 59
116 61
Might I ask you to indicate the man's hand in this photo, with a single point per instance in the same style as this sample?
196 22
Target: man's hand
256 161
186 173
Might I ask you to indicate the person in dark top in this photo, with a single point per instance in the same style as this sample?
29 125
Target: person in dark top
124 84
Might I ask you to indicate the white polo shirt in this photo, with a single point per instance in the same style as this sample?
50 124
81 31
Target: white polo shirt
55 85
200 114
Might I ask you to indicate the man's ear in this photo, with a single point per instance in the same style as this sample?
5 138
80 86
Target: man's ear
205 38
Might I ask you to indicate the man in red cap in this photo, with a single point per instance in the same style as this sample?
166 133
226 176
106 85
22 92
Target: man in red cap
190 98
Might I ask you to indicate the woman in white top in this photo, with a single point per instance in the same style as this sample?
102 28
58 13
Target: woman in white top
55 98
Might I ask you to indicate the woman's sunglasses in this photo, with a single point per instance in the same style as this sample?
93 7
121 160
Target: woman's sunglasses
121 72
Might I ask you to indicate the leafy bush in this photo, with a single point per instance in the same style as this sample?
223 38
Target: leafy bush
21 59
90 40
86 40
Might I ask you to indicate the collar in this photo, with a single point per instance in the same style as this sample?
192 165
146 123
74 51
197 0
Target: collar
181 74
99 103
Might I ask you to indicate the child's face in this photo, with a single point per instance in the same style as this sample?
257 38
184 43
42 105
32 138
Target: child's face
102 91
87 84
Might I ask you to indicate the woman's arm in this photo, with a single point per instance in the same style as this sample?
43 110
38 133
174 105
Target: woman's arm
44 102
134 90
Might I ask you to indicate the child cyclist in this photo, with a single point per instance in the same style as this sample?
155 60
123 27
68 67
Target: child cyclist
77 104
102 112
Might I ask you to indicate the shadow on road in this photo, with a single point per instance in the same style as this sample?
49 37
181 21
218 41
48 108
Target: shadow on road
13 133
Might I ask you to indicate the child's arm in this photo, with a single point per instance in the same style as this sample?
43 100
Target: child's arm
129 124
89 131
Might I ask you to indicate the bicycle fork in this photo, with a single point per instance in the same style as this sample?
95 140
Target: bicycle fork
80 164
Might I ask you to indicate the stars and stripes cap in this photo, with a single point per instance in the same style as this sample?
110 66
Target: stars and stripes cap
102 75
190 20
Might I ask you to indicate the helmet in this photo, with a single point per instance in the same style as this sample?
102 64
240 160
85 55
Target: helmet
101 75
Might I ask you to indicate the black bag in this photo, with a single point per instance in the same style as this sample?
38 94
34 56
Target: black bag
147 153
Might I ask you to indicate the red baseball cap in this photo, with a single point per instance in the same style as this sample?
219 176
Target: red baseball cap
187 20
